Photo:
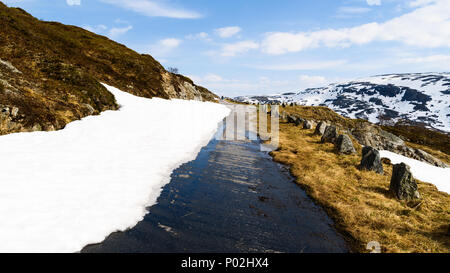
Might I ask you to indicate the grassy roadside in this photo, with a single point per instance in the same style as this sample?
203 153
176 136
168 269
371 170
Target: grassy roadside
359 201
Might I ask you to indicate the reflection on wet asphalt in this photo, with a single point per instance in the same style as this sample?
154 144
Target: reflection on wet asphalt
232 198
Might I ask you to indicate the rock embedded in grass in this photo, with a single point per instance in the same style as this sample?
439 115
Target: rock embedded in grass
403 184
344 145
320 128
330 135
371 160
307 124
291 119
299 121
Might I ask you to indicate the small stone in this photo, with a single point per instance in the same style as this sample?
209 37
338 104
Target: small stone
14 111
89 109
403 184
36 127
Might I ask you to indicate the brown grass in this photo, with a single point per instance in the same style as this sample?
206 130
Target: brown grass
436 153
422 136
320 113
360 202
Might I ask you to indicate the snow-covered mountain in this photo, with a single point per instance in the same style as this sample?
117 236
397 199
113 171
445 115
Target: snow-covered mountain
415 97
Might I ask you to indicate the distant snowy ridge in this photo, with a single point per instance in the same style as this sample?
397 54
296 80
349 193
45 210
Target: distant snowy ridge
63 190
417 97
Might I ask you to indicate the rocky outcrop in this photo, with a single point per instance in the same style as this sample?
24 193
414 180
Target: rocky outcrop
180 87
9 119
417 154
403 185
330 135
371 160
320 128
344 145
372 135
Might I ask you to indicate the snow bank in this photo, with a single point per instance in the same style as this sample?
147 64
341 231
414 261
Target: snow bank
423 171
63 190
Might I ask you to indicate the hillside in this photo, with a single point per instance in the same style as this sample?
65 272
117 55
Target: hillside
418 98
50 74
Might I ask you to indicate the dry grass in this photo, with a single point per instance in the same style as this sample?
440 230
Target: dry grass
359 201
320 113
438 154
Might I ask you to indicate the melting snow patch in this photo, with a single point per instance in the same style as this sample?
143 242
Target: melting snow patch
61 191
423 171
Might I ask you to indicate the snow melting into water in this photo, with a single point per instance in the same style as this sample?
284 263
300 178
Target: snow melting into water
61 191
440 177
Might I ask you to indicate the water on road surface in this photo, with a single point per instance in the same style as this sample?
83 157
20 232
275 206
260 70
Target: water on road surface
231 198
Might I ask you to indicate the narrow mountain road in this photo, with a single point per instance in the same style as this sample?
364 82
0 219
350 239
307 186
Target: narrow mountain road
232 198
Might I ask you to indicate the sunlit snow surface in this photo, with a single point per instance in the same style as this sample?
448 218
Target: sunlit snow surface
63 190
440 177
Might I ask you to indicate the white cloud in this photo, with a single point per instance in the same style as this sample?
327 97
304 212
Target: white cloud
99 29
118 31
213 78
73 2
154 8
113 33
427 26
235 87
373 2
439 62
199 36
227 32
419 3
165 46
230 50
353 10
170 43
311 65
307 81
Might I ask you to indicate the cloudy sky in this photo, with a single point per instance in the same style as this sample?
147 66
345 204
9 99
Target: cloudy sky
237 47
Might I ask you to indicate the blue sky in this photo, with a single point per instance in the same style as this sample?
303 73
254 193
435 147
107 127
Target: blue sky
237 47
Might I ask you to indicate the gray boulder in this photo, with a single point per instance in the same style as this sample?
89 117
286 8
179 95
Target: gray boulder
307 124
371 160
299 121
291 118
320 128
344 145
371 135
403 185
330 135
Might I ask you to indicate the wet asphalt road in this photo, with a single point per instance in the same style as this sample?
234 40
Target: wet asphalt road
232 198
